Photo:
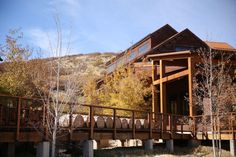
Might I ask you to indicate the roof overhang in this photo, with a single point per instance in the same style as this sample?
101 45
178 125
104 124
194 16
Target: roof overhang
170 55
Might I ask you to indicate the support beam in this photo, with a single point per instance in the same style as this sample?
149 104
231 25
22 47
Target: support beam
172 77
88 148
232 144
43 149
190 86
148 144
179 62
154 99
162 88
170 145
154 88
170 55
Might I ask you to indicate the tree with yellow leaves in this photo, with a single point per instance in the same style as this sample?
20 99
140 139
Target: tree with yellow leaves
123 89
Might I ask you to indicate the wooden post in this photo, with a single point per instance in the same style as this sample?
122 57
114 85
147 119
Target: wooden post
232 125
163 94
194 127
1 113
170 118
190 86
114 124
182 127
162 88
133 125
18 119
162 124
150 125
91 122
154 88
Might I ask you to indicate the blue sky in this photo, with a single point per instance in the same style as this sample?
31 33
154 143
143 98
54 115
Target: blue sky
112 25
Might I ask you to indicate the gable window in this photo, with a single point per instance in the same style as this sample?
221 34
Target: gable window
183 48
144 48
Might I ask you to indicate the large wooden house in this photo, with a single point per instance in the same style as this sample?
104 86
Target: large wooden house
168 57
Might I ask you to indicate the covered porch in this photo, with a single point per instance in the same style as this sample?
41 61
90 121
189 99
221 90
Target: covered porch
172 82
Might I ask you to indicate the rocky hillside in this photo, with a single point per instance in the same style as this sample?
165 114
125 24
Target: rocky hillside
22 78
93 63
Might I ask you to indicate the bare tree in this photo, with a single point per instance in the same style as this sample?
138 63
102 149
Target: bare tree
213 91
60 96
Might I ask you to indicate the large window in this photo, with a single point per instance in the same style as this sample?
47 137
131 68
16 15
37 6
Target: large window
132 55
120 61
144 48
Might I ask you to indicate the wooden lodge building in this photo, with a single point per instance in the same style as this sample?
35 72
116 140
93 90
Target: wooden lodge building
168 56
169 59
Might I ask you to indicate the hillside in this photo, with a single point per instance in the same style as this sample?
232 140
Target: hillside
22 78
93 63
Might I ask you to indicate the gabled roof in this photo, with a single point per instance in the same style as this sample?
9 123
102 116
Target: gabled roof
160 30
176 36
220 46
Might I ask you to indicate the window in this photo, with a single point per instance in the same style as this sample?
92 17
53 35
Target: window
132 55
144 48
183 48
120 61
110 68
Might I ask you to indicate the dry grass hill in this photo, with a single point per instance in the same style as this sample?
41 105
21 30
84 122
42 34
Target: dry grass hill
84 64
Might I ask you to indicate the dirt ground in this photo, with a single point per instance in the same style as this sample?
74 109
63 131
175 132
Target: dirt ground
201 151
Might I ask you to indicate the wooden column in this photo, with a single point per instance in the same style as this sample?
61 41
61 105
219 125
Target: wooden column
18 119
133 125
114 124
154 88
162 88
190 86
91 122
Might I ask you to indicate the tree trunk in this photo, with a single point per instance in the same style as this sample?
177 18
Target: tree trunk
213 138
54 138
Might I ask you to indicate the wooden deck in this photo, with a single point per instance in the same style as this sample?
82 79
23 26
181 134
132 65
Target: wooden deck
22 120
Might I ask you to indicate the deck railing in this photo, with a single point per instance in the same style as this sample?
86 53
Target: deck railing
19 114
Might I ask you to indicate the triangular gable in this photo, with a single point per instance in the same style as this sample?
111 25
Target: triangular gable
162 34
185 39
157 37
